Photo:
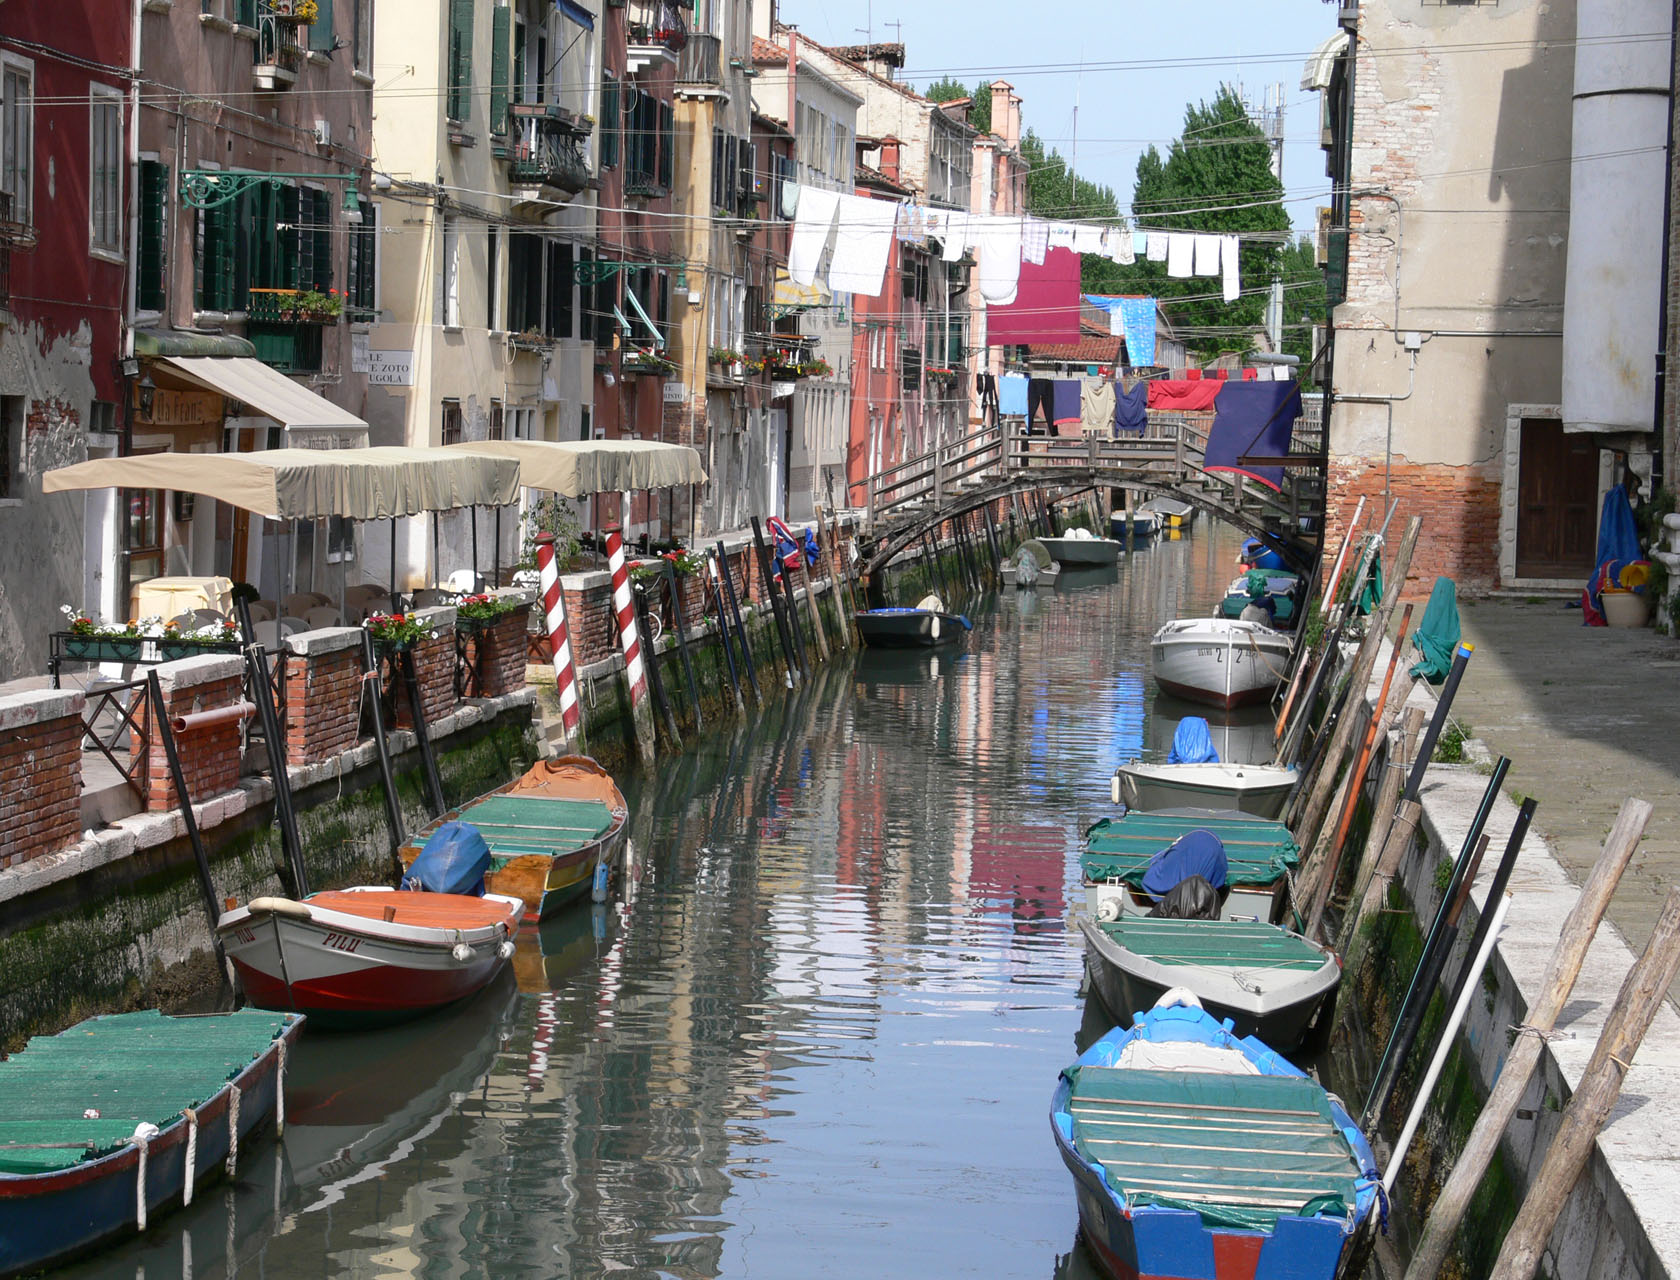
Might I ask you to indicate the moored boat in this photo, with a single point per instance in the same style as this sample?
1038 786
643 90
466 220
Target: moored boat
1198 1153
1174 513
1141 523
362 955
1080 547
120 1118
1268 981
1120 852
1280 591
1262 790
1219 660
904 628
547 832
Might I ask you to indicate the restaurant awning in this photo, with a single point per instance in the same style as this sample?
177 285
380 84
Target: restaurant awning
268 392
307 484
577 468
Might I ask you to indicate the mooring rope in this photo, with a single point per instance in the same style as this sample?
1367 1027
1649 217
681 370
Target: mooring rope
144 1132
191 1170
233 1131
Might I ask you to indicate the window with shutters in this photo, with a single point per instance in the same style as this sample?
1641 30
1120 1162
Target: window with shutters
497 428
559 309
105 158
322 37
667 143
524 283
611 125
501 27
151 263
460 60
17 136
492 281
362 266
449 421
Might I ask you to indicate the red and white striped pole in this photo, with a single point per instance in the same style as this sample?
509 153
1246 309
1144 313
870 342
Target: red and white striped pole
554 617
635 672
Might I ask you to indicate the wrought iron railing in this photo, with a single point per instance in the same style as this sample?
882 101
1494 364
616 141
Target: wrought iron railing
657 22
548 148
701 61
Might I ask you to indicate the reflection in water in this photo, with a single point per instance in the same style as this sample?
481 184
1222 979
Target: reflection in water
820 1034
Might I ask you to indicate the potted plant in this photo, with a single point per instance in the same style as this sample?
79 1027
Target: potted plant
394 632
302 12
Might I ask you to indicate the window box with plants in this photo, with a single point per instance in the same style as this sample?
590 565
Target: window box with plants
941 377
140 640
295 306
643 363
301 12
530 340
396 632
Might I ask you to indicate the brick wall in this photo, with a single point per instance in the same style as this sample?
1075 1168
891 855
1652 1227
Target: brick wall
434 667
1460 510
209 755
40 773
323 693
497 653
589 620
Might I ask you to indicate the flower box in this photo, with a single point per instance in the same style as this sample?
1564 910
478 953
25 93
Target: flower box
103 648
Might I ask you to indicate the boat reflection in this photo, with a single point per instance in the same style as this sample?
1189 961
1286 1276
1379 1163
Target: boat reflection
1240 736
1086 577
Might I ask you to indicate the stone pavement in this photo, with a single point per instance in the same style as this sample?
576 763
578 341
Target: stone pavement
1588 717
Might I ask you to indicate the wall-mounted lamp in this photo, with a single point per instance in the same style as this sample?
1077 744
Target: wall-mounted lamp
146 390
352 207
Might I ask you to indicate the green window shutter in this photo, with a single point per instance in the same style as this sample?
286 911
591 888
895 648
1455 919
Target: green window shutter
667 144
322 233
293 246
153 257
609 124
460 59
321 37
500 28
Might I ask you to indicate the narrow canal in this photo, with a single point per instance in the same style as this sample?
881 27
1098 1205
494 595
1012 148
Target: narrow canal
819 1040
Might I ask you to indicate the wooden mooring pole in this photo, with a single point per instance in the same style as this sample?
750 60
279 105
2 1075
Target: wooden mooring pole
1524 1056
1630 1017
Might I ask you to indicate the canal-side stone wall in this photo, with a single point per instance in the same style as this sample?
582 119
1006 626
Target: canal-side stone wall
323 693
1619 1219
40 773
209 754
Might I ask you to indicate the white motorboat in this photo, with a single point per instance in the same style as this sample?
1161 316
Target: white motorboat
1262 790
1222 661
1080 547
1174 513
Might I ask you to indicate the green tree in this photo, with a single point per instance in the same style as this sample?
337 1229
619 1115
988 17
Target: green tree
1303 300
979 112
1217 177
945 89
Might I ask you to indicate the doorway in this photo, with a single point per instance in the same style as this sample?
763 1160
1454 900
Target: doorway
1557 497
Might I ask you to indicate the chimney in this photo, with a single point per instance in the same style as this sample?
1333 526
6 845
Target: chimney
889 157
1006 108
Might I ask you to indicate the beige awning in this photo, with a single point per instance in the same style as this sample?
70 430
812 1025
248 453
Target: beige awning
786 293
266 391
1322 65
575 468
306 484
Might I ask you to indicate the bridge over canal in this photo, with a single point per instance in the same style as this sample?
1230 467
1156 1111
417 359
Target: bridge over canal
917 496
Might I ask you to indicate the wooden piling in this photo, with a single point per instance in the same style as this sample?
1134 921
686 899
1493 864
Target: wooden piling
1524 1056
1382 819
830 554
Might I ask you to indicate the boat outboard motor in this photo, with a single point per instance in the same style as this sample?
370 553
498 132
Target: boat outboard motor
1190 899
1026 567
453 861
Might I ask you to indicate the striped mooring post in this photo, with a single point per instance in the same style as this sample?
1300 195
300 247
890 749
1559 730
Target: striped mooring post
629 639
554 618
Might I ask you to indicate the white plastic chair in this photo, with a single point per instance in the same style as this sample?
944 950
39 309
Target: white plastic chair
291 626
267 633
263 611
322 616
299 604
464 582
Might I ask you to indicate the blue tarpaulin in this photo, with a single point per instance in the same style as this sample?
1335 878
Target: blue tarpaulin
1618 544
1253 418
1192 743
453 861
1195 853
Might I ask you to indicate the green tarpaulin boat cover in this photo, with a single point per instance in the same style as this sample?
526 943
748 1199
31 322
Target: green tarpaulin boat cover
1438 634
1241 1151
1257 850
515 825
1214 943
130 1068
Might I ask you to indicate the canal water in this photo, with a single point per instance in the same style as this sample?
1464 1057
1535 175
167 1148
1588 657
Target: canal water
819 1038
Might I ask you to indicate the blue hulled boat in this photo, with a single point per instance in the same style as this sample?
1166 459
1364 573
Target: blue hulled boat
1197 1155
927 624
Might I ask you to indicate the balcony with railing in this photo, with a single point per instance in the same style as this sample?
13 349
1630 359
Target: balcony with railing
278 52
701 61
287 327
658 32
548 148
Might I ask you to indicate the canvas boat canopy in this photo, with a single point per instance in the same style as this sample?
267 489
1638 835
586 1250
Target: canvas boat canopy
577 468
270 393
308 484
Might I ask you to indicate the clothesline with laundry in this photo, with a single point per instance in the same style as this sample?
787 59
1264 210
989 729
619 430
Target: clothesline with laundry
847 240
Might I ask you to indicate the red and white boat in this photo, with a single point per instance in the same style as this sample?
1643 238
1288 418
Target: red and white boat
369 954
1222 661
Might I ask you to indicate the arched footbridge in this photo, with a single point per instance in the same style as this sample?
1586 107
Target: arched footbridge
913 498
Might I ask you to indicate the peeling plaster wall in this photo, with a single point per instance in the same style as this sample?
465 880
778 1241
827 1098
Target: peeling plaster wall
41 534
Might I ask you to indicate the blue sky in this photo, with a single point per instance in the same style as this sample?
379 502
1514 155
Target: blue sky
1039 47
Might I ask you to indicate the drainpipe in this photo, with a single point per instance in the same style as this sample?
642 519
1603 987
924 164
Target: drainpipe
1390 402
793 73
133 277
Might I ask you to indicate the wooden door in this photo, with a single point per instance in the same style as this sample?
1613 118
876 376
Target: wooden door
1557 501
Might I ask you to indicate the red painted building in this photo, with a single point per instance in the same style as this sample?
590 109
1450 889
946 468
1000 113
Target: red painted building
66 194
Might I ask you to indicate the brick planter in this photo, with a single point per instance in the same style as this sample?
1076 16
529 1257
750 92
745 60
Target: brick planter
323 693
589 618
434 666
496 651
40 773
209 755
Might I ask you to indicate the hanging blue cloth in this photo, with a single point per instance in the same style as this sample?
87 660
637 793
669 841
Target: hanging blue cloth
1192 743
1131 410
1618 540
1195 853
453 861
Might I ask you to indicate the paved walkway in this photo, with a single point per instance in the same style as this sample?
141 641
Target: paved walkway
1588 717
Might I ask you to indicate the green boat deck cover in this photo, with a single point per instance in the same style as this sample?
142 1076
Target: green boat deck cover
131 1068
1257 850
1242 1151
1215 943
517 825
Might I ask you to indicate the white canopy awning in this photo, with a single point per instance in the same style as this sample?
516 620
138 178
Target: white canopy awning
1322 65
266 391
576 468
307 484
